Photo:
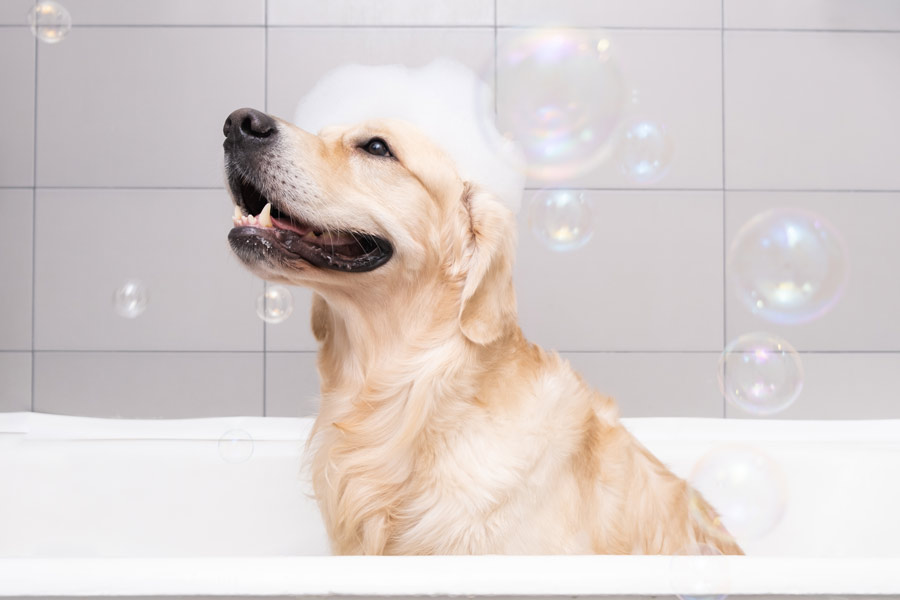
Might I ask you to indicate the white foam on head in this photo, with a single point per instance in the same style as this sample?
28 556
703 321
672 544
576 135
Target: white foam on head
444 99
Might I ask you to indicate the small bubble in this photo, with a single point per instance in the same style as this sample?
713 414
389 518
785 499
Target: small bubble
50 21
275 304
696 573
760 373
236 446
561 219
130 300
645 151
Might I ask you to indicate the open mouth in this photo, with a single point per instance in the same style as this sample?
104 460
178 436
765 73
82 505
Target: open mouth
262 230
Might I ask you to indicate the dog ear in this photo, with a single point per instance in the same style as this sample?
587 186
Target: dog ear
488 306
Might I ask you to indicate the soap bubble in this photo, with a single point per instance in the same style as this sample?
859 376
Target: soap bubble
562 98
695 573
788 265
50 21
561 219
130 300
760 373
745 486
645 151
275 304
236 446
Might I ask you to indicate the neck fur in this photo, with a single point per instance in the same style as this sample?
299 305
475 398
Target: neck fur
390 377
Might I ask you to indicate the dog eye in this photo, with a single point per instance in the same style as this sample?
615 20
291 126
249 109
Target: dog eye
378 147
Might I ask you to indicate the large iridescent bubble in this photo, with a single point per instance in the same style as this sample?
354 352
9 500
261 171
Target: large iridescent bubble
788 265
746 488
561 98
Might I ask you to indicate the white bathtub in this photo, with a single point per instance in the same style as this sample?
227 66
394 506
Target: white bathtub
94 507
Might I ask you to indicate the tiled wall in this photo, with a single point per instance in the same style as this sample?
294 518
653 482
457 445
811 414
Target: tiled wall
110 169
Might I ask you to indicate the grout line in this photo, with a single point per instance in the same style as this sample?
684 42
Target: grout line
724 208
529 189
265 329
462 26
496 90
127 187
711 351
34 215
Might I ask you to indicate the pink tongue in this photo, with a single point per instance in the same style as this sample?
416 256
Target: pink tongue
282 224
335 239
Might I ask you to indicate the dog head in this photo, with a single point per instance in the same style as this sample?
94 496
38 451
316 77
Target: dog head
375 206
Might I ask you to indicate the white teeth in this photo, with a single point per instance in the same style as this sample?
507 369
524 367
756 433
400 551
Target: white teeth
309 235
263 220
265 217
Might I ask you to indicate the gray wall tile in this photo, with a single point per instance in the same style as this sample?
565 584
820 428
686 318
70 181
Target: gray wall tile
650 278
865 318
167 12
15 381
90 242
148 385
143 106
384 12
292 384
17 75
812 110
682 95
812 14
611 13
292 74
15 270
843 386
665 384
295 332
14 12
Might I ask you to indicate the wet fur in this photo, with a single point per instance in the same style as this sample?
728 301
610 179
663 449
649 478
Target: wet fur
442 430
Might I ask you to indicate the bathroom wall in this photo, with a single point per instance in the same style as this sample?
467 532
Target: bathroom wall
110 169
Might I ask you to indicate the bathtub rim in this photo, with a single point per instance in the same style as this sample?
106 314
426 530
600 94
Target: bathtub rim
410 576
46 426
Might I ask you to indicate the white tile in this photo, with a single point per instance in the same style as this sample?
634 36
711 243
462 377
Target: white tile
866 317
148 385
17 103
292 384
650 278
812 14
844 386
167 12
295 332
610 13
15 381
812 110
143 106
15 12
382 12
90 242
289 79
676 77
15 270
654 384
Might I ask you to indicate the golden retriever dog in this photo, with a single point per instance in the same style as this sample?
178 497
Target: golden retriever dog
442 430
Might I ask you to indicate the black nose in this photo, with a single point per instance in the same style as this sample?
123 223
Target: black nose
246 125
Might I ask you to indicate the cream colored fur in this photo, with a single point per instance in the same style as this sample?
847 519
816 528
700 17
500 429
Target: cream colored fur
442 430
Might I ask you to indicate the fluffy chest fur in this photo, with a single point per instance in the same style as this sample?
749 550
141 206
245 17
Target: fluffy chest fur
447 458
